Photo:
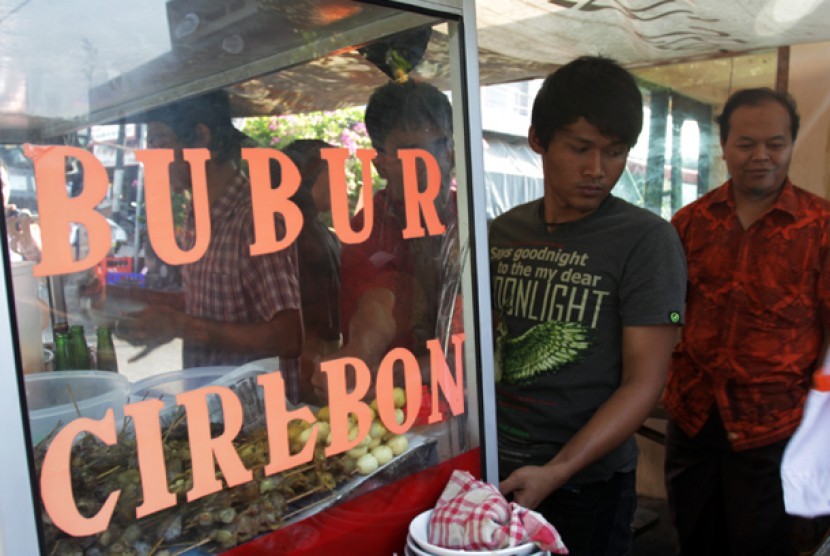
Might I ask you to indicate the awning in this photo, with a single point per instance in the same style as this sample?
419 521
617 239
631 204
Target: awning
113 69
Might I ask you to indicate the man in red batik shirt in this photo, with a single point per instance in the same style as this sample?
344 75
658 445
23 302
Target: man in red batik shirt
397 292
757 316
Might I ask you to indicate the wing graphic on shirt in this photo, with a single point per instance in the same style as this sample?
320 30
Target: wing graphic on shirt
545 348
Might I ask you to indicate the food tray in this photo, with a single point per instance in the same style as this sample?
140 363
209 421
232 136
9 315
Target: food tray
290 496
421 454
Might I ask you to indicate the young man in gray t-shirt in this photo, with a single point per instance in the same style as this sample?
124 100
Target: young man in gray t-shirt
588 293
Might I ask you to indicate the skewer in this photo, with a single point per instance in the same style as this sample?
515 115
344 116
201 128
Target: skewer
303 495
288 516
302 469
72 397
192 546
155 547
176 422
108 472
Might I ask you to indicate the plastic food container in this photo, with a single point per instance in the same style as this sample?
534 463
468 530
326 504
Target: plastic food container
28 316
242 380
58 397
166 386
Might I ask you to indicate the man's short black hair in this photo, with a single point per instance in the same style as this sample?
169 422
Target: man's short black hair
306 156
212 109
591 87
756 97
409 105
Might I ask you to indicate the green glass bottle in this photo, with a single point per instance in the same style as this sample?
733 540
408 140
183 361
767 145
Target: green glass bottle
61 327
63 357
78 348
105 350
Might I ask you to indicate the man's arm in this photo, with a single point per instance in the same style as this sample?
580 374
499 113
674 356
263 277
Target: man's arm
282 335
646 352
371 330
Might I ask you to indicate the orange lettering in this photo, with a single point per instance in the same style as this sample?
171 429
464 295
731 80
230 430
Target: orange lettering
204 448
160 227
277 417
56 478
58 210
413 198
340 217
267 201
385 387
150 452
442 377
342 403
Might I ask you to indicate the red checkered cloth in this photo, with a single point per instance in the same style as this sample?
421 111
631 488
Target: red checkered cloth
473 515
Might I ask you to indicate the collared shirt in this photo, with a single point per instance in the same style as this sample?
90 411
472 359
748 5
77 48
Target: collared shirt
230 285
758 306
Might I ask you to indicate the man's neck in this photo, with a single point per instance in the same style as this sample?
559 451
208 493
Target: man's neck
749 208
219 177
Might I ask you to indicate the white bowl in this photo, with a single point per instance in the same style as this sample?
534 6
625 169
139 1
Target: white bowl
414 549
419 532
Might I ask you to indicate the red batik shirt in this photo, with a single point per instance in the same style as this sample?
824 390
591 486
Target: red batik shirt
417 271
758 305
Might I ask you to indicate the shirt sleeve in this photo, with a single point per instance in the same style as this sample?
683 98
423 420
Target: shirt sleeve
653 288
272 281
824 282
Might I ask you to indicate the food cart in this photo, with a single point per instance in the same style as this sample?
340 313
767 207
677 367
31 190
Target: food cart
94 65
82 70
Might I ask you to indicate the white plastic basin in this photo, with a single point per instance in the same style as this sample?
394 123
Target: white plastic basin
58 397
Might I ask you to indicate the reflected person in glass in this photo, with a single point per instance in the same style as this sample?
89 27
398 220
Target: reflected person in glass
318 252
238 307
23 233
398 292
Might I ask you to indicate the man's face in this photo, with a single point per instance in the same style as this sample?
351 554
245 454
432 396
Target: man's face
758 149
581 166
161 136
321 192
430 139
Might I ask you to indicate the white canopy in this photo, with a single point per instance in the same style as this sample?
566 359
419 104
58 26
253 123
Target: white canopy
109 66
645 32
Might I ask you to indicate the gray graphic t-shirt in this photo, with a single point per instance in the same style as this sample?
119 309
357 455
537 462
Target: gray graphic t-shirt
561 300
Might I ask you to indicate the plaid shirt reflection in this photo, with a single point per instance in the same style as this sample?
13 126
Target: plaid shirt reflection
228 284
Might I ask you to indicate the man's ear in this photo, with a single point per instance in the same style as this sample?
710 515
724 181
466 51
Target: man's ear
534 142
380 162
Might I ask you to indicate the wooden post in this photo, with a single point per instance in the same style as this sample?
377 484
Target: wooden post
782 71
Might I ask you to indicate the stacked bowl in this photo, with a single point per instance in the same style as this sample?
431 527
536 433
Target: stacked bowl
417 544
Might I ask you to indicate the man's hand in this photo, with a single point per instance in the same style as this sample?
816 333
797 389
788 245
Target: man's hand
24 233
646 352
371 330
153 325
531 484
